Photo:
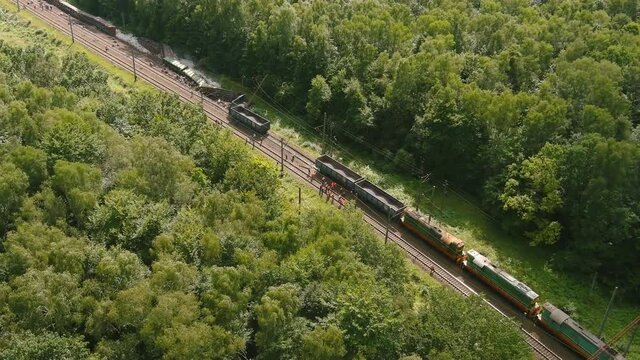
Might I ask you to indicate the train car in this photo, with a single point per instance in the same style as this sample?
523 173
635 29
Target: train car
504 283
249 118
104 25
100 23
422 227
574 335
175 65
194 76
336 171
379 199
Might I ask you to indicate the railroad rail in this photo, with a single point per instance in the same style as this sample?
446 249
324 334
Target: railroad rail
218 114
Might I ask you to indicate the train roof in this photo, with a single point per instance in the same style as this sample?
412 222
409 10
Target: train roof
481 261
196 77
250 115
560 318
339 168
445 236
67 5
383 196
175 62
103 21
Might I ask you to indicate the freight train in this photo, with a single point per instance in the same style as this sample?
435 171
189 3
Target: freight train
554 320
100 23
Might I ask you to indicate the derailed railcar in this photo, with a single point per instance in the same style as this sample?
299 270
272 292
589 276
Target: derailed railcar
175 65
338 172
249 118
504 283
379 199
574 335
444 242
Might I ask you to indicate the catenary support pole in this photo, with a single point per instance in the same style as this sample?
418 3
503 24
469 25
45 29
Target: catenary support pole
444 194
135 74
386 234
299 200
633 335
73 38
281 157
593 283
324 133
18 5
606 313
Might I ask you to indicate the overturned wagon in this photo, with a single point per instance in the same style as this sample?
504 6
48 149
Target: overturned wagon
249 118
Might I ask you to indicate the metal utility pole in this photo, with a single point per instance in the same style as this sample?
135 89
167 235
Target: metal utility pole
135 74
18 5
386 234
633 335
444 194
606 313
423 179
593 283
281 157
324 133
73 38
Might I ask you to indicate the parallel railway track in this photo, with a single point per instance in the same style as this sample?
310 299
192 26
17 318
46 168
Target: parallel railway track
299 168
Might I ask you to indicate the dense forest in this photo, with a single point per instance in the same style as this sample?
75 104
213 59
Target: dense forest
132 228
534 106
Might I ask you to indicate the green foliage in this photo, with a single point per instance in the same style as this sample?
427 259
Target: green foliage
44 346
13 190
163 237
79 185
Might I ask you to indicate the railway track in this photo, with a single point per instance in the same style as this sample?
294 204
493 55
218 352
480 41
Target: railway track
297 164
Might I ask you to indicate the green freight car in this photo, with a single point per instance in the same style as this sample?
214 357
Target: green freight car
247 117
504 283
446 243
574 335
175 65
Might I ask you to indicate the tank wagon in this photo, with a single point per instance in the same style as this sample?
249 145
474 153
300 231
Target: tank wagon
504 283
421 226
249 118
100 23
562 326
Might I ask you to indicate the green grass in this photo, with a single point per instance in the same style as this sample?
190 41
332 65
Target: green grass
461 215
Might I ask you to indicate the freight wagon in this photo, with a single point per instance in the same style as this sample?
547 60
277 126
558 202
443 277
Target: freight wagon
100 23
444 242
504 283
247 117
379 199
339 173
573 334
175 65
